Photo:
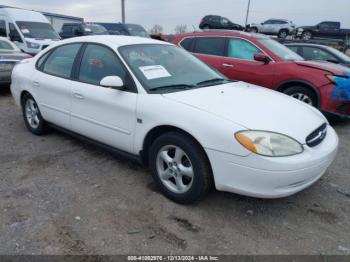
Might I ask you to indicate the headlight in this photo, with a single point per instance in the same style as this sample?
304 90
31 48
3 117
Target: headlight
335 79
32 45
268 143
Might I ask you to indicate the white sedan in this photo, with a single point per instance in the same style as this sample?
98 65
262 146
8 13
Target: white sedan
156 103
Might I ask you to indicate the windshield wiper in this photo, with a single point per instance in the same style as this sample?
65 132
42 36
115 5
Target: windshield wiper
212 81
173 87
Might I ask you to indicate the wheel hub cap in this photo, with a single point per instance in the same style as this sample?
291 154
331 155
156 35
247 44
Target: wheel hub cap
174 169
303 97
32 113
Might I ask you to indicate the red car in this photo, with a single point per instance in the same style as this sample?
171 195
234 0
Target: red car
258 59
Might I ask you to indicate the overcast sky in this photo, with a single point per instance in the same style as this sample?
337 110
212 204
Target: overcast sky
169 13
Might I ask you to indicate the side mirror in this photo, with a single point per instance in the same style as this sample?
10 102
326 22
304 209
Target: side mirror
262 58
114 82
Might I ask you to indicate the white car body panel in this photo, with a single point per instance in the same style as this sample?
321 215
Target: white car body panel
211 115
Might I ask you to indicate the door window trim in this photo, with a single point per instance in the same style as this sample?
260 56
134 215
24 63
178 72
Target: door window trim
77 66
77 63
226 47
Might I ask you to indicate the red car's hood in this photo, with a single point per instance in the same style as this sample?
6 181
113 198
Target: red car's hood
325 66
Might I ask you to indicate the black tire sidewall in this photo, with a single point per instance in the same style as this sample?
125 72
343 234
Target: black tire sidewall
282 31
301 89
42 128
202 171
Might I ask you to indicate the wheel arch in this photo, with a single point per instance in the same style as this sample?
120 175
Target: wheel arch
23 93
157 131
287 84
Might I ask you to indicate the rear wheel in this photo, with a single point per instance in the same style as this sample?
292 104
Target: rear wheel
303 94
283 34
306 35
32 116
180 168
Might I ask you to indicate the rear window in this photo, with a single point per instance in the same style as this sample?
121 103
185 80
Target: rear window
210 46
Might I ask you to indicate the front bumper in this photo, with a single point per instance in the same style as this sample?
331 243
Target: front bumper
272 177
333 106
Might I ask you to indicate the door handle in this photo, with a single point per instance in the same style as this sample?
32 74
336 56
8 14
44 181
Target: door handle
78 96
36 83
227 65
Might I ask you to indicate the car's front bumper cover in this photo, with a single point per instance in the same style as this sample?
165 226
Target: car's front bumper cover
269 177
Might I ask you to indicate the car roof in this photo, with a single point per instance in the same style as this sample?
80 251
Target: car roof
225 33
306 44
114 40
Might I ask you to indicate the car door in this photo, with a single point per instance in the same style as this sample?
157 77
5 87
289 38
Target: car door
240 63
266 27
53 82
210 50
103 114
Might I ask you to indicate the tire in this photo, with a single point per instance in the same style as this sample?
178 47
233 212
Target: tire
32 116
283 34
307 35
303 94
254 30
178 183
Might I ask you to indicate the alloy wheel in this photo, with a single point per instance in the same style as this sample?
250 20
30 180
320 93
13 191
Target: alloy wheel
175 169
303 97
32 113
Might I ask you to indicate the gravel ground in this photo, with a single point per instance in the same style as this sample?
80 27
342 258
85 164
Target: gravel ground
61 196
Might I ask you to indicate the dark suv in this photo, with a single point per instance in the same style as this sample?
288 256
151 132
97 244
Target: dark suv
218 22
125 29
81 29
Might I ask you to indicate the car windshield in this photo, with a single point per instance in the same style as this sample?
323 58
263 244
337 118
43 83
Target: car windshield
136 30
37 30
5 46
280 50
95 29
339 54
167 68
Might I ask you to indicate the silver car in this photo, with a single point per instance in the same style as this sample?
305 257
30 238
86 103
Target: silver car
280 27
9 56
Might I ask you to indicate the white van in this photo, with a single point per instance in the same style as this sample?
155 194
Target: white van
29 30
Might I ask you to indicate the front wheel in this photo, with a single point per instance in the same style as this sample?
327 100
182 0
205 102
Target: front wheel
32 116
303 94
306 36
180 168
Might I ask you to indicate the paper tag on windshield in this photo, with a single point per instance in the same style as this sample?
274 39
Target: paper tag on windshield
25 31
154 72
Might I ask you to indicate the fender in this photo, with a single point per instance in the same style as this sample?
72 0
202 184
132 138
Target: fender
303 82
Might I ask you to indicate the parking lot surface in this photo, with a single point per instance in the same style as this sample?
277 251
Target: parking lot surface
62 196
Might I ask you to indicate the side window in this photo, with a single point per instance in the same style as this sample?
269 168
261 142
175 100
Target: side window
268 22
210 46
99 62
3 31
15 36
224 21
241 49
311 53
187 44
293 48
67 29
41 60
60 61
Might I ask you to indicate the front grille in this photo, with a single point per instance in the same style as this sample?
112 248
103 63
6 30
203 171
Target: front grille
317 136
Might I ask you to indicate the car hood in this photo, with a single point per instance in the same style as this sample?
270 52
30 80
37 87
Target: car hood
254 108
325 66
